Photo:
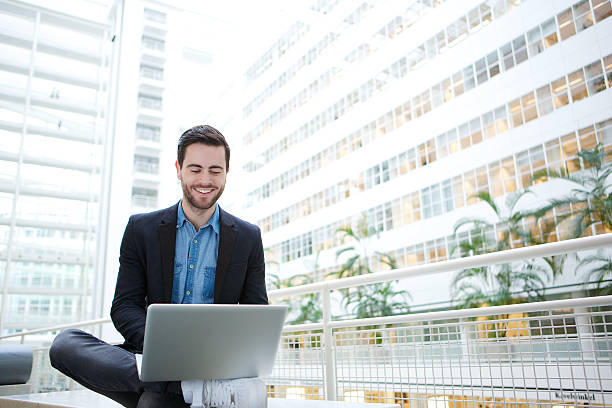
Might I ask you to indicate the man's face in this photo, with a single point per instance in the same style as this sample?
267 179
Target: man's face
202 175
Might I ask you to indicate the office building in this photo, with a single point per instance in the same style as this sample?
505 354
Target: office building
401 113
54 101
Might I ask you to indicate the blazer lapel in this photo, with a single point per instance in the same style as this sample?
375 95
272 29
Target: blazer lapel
167 243
227 237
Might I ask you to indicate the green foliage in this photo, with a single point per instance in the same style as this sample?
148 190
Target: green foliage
379 299
308 306
591 203
497 284
589 195
601 272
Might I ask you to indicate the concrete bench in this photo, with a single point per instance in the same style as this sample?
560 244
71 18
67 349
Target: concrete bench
15 369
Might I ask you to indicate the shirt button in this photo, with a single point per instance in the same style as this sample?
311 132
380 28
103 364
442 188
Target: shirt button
191 266
195 241
188 293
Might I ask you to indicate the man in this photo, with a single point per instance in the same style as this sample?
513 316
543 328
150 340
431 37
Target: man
192 252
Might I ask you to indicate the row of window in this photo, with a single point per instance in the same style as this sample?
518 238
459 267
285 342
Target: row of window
148 132
149 71
146 164
154 15
144 197
330 196
399 23
286 76
413 59
149 102
278 49
577 85
31 306
411 15
23 276
152 43
498 178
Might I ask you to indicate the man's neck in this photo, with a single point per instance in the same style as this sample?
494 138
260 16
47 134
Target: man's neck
197 217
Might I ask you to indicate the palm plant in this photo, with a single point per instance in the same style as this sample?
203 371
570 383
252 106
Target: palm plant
379 299
308 306
589 196
497 284
601 272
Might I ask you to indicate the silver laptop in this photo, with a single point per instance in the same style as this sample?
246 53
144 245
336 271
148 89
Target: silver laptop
189 342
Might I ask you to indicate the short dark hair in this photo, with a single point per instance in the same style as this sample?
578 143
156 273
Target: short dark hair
205 134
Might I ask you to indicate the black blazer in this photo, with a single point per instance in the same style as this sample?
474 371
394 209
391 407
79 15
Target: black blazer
146 268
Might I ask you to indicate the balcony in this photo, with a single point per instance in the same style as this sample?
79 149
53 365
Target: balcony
541 354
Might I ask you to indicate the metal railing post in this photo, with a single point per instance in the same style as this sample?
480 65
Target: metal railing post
328 341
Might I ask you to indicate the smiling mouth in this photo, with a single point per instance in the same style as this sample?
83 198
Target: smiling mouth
204 190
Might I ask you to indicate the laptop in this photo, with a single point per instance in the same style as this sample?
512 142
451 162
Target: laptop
211 341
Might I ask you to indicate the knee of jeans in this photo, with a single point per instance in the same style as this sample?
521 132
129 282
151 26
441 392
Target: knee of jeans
62 346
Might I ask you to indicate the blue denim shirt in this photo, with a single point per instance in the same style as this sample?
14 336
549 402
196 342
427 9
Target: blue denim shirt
195 259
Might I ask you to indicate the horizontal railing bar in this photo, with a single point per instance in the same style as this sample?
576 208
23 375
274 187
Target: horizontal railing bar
477 312
509 255
536 251
58 327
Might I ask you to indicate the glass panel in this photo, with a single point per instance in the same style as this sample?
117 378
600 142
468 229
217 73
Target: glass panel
566 24
577 85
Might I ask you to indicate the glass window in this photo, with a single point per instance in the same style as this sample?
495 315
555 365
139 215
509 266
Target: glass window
493 64
509 175
451 140
529 107
602 9
436 95
507 56
488 124
446 88
442 147
544 98
481 71
582 15
495 175
464 136
426 101
476 130
608 69
559 88
577 85
458 192
458 83
595 78
515 112
501 119
520 49
587 138
549 32
566 24
468 77
474 20
534 38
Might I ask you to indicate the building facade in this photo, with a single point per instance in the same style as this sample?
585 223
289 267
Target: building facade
54 103
400 114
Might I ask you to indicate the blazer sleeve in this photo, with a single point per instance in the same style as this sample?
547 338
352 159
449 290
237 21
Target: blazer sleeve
128 311
254 288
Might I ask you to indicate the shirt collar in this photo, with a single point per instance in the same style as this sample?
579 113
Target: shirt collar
213 222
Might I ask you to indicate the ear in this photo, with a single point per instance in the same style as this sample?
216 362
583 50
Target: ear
178 170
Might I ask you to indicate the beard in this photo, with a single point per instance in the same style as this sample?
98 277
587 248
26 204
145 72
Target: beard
198 203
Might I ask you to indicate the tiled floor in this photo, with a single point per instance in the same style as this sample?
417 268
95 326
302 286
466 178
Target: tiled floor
89 399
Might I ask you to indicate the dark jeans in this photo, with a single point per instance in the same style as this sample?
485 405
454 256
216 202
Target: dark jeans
110 370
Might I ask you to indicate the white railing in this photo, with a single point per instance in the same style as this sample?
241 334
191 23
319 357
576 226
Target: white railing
392 356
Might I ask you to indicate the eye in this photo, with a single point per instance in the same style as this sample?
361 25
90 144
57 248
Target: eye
195 170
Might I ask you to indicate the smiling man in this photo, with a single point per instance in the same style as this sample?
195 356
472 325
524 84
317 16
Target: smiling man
192 252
